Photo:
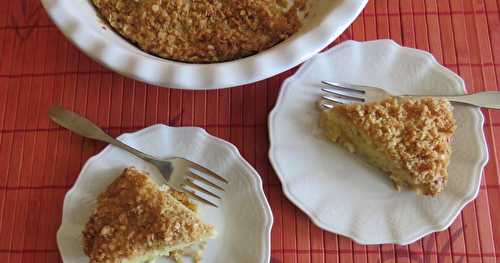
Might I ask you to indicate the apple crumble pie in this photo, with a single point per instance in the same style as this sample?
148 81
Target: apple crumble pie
137 221
203 31
407 138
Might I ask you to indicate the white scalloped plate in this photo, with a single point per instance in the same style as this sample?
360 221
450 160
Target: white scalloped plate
341 193
79 22
243 220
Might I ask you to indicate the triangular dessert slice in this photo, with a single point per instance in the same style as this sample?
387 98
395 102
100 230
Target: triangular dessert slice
137 221
407 138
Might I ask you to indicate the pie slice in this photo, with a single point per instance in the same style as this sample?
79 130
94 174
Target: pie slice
137 221
407 138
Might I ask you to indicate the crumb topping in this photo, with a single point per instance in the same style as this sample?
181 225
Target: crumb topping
183 198
413 132
133 216
203 31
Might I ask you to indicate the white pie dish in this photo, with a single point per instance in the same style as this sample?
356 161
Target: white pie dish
243 220
343 194
80 23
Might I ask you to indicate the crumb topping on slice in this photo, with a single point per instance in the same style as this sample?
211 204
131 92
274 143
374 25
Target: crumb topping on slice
133 216
413 132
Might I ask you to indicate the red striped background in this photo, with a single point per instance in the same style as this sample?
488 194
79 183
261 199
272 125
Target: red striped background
39 161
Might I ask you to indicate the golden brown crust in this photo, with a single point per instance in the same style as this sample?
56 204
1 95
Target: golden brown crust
415 133
203 30
133 216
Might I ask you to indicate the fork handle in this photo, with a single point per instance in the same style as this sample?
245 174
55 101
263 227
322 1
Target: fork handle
487 99
88 129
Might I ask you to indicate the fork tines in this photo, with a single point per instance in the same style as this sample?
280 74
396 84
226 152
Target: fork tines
196 197
196 182
208 172
341 93
344 86
205 181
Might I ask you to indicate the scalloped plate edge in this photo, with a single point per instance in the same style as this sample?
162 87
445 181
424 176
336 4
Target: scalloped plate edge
85 39
255 180
479 166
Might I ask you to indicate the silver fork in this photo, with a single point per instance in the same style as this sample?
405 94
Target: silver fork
350 93
180 174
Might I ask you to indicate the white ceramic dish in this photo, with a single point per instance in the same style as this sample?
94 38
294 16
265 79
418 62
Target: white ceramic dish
340 192
243 220
80 23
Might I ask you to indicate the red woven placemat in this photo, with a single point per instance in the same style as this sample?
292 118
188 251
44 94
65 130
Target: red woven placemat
39 161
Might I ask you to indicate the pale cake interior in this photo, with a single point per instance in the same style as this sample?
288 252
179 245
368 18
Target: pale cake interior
409 139
356 141
137 221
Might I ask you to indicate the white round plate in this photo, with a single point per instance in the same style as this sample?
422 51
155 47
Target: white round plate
343 194
80 23
243 220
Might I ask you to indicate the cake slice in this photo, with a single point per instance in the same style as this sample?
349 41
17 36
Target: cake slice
409 139
137 221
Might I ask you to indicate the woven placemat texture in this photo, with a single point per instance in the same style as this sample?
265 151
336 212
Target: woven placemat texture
39 161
